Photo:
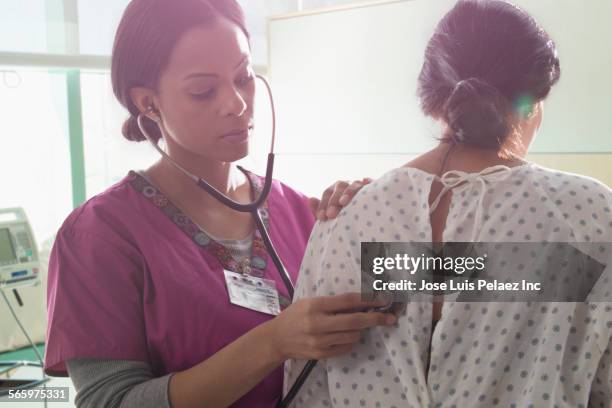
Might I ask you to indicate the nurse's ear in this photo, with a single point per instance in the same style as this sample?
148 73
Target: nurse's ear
144 99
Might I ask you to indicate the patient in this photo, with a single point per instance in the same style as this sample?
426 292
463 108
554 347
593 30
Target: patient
488 69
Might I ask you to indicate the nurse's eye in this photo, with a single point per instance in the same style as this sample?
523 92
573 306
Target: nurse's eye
246 79
207 94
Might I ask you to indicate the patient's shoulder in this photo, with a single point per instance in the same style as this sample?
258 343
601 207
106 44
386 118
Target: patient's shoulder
404 185
574 184
581 202
394 207
572 192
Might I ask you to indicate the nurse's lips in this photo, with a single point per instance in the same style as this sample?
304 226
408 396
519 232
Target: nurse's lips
237 135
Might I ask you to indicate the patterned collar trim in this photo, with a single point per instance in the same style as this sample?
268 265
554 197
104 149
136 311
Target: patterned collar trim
259 257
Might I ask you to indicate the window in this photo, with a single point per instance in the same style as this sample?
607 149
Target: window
97 24
25 20
35 163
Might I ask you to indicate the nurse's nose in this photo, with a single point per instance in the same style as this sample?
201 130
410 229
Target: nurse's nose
233 103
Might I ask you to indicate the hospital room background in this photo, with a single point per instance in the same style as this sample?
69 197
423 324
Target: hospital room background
343 75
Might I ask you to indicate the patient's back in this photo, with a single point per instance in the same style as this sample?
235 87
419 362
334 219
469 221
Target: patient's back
495 341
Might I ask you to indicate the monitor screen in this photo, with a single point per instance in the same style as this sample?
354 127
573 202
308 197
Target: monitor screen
7 252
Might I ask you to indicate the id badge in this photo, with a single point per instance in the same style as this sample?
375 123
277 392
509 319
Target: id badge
252 292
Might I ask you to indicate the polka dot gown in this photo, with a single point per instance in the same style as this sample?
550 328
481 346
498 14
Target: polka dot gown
512 354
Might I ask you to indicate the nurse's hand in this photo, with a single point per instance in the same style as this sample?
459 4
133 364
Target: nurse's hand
323 327
335 197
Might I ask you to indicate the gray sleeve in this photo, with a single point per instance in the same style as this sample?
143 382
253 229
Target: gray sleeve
117 384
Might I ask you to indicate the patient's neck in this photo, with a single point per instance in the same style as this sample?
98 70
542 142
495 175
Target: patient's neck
463 158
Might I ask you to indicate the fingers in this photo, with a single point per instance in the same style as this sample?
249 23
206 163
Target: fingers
335 351
327 326
343 303
332 345
333 205
349 192
345 197
337 196
336 339
324 202
354 321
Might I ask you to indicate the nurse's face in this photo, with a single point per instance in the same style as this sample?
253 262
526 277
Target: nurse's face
205 94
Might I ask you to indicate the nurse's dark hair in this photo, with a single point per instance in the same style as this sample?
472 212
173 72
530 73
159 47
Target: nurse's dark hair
145 38
487 63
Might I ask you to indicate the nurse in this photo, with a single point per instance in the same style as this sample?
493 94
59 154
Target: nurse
138 308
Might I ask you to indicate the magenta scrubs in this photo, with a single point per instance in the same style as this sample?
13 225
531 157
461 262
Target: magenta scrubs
131 277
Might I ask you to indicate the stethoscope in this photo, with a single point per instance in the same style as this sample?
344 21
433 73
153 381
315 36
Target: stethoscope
250 208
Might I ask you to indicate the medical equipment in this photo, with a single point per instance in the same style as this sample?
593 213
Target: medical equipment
19 264
250 208
19 267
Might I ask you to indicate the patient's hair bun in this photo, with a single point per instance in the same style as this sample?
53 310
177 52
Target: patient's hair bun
477 114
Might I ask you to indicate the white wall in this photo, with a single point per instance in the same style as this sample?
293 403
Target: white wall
345 86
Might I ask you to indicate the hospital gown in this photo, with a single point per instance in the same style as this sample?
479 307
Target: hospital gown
483 354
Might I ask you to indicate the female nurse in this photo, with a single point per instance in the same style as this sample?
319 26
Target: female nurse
138 309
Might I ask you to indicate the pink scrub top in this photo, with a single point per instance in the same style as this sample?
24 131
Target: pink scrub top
131 277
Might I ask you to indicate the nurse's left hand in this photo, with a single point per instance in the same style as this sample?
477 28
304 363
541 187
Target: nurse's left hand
335 197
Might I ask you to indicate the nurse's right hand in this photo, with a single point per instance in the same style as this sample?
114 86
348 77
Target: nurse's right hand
323 327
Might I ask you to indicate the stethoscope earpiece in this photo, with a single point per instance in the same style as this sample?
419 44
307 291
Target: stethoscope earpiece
152 113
